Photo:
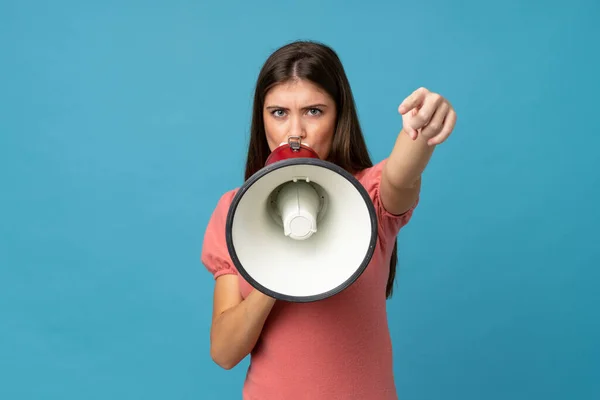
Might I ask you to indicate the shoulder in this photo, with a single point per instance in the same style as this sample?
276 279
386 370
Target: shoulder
218 217
389 224
215 255
224 201
371 175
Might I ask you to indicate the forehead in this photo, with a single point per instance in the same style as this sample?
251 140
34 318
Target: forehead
297 93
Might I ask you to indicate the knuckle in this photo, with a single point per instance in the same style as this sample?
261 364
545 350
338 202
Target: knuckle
435 126
437 98
421 119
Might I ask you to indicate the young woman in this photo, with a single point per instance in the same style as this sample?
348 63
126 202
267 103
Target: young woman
340 347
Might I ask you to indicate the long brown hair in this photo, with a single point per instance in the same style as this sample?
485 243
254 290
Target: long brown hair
319 64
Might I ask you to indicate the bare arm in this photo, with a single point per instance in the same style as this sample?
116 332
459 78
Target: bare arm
236 322
401 175
428 120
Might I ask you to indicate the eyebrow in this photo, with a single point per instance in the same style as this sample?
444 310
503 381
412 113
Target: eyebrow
284 108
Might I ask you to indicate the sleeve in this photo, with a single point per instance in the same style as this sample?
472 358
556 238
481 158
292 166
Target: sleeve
214 255
389 224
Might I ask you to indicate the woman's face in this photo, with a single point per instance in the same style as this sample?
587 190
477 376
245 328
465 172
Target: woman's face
300 108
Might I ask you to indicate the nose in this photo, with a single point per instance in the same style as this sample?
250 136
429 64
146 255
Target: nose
297 129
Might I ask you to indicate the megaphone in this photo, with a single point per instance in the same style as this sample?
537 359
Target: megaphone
301 229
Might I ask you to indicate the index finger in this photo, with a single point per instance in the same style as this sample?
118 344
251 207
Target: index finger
415 99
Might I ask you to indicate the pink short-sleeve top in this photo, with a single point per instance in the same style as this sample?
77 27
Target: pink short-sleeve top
336 348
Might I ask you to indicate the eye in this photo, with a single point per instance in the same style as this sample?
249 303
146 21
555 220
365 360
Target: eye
314 111
278 113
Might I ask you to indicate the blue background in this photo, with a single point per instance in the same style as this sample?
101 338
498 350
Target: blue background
121 123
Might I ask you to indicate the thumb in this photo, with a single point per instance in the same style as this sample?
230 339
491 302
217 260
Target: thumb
411 132
406 125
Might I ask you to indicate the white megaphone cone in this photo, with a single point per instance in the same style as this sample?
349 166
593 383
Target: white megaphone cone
301 229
